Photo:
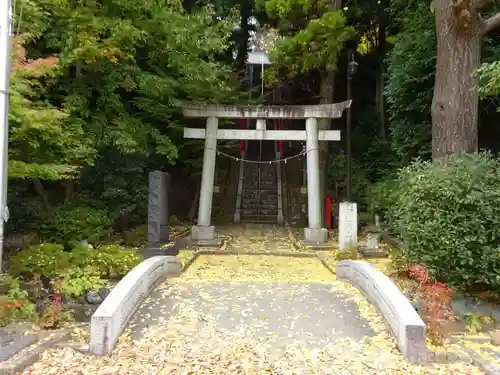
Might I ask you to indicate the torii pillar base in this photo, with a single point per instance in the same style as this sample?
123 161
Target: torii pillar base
315 238
204 236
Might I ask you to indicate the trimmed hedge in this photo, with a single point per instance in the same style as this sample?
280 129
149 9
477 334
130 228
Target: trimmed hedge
448 218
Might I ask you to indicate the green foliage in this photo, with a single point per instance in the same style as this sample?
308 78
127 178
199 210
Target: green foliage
108 261
120 183
125 68
382 198
447 216
97 90
44 142
337 174
489 79
43 260
409 90
316 47
78 282
78 222
80 270
313 37
136 237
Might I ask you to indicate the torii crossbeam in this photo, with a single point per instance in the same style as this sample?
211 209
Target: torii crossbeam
203 232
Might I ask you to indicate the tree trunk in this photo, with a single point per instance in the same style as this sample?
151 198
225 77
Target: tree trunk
39 189
69 190
326 97
379 94
455 101
244 34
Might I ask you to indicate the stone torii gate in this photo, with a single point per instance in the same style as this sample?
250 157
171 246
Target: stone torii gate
203 232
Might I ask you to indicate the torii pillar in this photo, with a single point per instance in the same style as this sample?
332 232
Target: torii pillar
204 233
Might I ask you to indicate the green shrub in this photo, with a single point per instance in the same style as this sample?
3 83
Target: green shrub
73 223
108 261
136 237
82 269
448 218
41 260
382 197
337 174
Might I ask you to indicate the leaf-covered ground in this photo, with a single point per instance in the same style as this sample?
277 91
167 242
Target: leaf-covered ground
251 314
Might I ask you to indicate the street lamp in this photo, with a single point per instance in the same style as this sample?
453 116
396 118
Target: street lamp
352 67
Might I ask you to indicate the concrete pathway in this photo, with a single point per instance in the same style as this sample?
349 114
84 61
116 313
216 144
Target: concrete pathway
252 314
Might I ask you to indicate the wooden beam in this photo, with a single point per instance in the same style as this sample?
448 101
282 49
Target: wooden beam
263 135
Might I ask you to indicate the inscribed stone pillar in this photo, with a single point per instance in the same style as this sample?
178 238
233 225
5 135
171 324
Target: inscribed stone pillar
158 208
314 233
203 230
348 225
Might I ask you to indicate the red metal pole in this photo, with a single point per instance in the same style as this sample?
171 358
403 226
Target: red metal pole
242 143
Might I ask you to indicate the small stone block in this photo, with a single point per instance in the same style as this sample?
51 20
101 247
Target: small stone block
208 243
16 343
201 233
495 337
373 253
316 246
315 236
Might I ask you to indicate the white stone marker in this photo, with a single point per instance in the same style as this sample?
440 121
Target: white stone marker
348 225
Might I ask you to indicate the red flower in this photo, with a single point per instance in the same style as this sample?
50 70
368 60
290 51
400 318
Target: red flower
9 306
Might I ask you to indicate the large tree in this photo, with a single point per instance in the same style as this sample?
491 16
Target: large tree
459 28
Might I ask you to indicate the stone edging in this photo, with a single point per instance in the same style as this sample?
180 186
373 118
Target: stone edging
485 366
30 355
403 321
112 316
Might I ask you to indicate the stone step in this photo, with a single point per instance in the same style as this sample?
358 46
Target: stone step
248 211
255 180
264 176
259 194
259 202
268 207
270 219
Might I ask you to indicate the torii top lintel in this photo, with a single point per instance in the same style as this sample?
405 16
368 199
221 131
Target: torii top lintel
298 112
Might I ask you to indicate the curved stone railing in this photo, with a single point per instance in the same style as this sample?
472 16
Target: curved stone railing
110 319
399 315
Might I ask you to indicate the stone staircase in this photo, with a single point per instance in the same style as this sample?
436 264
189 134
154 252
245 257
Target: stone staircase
259 199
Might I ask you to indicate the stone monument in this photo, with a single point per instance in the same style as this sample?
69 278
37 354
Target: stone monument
159 242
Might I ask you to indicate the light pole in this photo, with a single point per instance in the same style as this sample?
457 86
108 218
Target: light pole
5 62
352 67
